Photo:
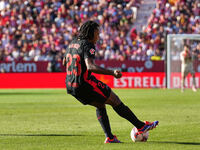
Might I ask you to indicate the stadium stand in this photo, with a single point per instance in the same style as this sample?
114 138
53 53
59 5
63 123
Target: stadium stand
40 30
169 17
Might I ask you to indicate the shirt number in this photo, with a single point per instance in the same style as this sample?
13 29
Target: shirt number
73 64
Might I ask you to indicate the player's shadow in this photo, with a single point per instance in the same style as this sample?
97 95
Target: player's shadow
173 142
41 135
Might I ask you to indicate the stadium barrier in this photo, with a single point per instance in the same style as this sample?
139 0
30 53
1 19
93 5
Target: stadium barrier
42 66
57 80
124 66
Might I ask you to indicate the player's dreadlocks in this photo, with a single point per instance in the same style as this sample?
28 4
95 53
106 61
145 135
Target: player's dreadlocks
86 31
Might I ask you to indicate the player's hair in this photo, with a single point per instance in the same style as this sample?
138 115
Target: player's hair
87 29
186 46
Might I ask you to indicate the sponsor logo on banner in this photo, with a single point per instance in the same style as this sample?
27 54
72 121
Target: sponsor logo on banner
148 64
18 67
176 80
145 80
140 82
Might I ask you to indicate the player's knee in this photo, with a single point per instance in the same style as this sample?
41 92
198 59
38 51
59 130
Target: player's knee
113 100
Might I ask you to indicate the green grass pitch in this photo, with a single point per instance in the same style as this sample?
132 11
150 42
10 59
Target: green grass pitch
49 119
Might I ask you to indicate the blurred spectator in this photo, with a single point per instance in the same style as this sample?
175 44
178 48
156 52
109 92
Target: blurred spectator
150 52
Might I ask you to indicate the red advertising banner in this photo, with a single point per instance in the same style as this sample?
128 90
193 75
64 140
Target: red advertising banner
32 80
57 80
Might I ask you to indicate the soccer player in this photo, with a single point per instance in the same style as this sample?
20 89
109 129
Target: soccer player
79 62
187 67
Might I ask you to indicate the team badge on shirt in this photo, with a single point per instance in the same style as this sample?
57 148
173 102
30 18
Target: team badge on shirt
92 51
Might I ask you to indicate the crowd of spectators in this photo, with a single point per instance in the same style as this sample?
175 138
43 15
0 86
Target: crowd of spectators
169 17
40 30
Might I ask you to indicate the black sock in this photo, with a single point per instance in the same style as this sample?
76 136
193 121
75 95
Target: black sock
104 121
126 113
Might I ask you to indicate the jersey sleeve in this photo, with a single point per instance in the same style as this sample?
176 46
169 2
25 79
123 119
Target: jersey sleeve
89 51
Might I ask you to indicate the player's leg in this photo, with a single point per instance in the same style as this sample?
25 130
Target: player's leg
192 72
193 82
103 118
104 121
184 73
123 110
95 93
117 105
126 113
182 82
90 97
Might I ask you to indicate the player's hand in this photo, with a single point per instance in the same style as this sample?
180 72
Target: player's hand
117 74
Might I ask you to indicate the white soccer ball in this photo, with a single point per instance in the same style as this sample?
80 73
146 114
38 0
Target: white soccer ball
139 138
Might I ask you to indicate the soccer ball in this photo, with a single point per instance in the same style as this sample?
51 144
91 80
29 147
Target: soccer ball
139 138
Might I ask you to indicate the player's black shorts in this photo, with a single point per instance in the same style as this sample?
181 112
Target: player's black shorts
92 90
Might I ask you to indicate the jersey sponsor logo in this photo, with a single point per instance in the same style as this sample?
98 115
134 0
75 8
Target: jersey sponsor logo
92 51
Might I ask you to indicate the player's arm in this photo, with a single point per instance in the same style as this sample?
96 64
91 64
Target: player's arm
91 66
183 56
